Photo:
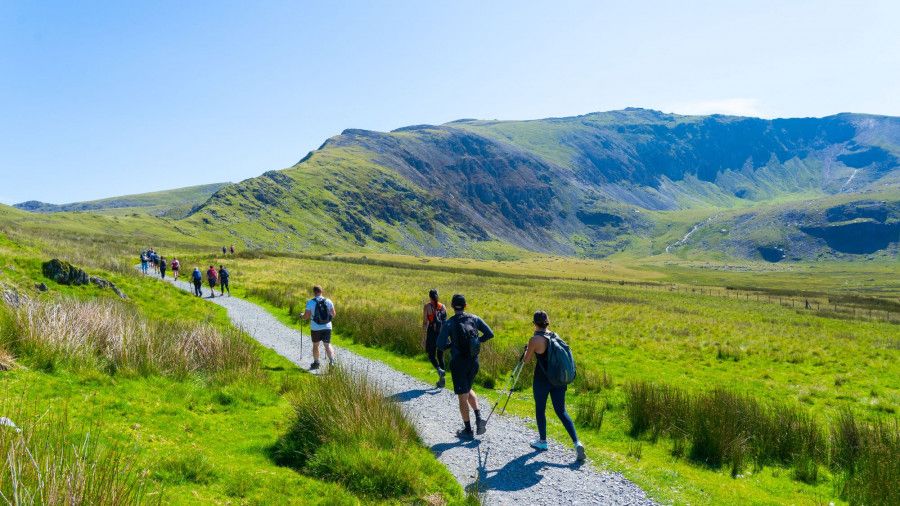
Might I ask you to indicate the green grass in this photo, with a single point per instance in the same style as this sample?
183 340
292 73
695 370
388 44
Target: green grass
817 366
196 433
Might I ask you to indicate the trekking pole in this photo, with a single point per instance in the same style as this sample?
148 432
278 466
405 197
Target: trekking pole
513 380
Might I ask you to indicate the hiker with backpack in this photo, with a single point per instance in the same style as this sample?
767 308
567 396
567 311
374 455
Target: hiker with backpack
162 268
197 278
223 281
212 277
553 371
320 313
463 334
433 316
144 262
224 251
231 249
176 266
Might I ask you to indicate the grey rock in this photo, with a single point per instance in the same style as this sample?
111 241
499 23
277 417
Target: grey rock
64 273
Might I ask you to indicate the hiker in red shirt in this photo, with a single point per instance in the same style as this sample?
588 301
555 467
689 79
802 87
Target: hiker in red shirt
433 316
212 276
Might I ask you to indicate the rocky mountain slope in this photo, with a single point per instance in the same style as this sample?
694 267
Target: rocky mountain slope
589 185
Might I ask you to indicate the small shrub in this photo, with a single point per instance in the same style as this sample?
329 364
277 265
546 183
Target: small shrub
344 430
590 412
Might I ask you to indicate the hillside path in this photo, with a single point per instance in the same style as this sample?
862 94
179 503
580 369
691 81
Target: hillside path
506 469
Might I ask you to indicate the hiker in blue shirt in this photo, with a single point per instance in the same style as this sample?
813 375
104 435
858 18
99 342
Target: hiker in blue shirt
197 278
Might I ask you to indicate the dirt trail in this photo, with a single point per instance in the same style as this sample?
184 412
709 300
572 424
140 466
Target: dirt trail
500 465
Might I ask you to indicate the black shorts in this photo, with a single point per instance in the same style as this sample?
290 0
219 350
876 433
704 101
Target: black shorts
321 335
463 373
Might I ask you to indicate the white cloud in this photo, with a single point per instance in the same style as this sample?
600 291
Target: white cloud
730 106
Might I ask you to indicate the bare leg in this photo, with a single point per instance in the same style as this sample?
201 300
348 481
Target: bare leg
315 352
329 351
473 401
464 406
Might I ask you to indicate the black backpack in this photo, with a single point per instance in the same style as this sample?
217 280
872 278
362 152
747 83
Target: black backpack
466 340
321 314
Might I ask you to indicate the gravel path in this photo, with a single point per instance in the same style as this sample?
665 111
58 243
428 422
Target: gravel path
500 464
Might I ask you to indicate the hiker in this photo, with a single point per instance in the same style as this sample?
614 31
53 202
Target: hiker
224 251
460 334
197 278
176 266
162 268
231 249
320 313
223 281
542 386
144 261
212 277
433 316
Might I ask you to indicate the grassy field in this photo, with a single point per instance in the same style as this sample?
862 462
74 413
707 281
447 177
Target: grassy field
626 334
164 402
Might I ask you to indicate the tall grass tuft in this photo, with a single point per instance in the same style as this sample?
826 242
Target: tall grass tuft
110 336
46 463
725 428
866 456
590 412
344 430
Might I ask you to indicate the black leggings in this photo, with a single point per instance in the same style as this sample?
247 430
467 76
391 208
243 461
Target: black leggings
434 355
542 388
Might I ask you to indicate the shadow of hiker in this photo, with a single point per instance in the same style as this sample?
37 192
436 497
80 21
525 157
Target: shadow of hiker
440 448
412 394
517 474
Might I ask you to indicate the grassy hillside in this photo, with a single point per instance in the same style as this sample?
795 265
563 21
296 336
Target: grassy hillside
593 185
173 203
168 401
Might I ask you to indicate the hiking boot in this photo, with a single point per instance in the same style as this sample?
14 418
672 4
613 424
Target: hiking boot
441 381
314 366
480 427
466 434
539 444
579 453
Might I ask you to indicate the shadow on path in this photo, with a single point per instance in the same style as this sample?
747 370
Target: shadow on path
440 448
517 474
413 394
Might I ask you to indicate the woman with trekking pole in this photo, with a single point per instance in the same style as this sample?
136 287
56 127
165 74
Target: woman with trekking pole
553 370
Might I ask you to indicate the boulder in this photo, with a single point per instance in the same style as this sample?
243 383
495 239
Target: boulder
11 297
41 287
64 273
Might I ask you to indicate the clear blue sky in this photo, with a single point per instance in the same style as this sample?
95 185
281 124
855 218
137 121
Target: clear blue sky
107 98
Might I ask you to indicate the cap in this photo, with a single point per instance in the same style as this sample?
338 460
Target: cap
459 301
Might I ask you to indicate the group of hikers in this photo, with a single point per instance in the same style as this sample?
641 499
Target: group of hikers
230 249
463 334
151 260
213 277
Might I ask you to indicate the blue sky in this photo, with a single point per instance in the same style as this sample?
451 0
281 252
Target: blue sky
108 98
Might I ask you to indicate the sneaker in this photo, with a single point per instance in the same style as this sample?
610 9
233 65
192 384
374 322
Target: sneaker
579 453
539 444
480 427
466 434
441 381
314 366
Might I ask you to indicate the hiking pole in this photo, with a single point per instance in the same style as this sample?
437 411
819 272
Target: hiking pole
514 379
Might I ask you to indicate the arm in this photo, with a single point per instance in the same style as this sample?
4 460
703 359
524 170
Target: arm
486 332
531 348
331 309
425 318
307 313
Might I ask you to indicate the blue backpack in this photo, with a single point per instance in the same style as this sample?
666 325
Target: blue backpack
560 368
